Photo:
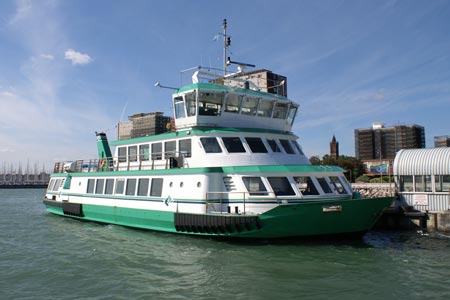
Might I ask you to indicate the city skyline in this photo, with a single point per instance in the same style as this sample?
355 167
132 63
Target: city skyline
69 69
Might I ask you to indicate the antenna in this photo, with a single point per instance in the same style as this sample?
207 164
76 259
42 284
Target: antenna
226 43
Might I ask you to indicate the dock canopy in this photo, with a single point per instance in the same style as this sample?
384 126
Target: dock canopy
435 161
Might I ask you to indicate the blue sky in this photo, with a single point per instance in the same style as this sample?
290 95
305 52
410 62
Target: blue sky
70 68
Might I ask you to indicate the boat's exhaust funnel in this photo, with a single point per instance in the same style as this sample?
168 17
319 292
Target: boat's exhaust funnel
104 152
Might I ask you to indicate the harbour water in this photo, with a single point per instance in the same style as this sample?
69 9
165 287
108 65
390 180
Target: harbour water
43 256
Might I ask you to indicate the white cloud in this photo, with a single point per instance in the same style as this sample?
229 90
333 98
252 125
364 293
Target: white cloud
47 56
77 58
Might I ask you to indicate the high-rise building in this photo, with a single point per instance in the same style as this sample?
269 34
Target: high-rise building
334 148
143 124
382 143
442 141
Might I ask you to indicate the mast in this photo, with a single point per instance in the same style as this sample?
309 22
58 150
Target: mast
225 47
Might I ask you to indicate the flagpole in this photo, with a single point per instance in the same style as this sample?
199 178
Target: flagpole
224 47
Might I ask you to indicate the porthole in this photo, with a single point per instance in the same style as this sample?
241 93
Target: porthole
170 184
199 184
181 184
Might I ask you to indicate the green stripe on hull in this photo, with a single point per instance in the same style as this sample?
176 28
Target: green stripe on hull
306 219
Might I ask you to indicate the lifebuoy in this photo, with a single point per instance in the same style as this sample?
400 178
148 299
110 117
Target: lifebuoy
102 163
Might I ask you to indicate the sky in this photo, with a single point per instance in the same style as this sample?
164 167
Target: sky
70 68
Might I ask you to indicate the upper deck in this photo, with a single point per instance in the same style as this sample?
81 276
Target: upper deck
233 101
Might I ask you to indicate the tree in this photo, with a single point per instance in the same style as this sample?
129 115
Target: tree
353 167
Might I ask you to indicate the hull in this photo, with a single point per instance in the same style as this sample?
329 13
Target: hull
313 218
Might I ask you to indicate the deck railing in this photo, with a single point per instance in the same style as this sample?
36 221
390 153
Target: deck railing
215 201
156 161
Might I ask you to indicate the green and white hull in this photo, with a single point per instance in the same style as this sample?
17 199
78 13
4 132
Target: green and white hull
286 220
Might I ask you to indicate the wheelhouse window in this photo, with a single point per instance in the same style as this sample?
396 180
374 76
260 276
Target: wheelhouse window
406 183
281 186
156 187
233 103
143 187
170 149
306 186
249 106
190 104
287 146
233 144
179 107
280 110
265 108
122 153
156 151
131 187
90 186
255 186
144 152
274 146
185 147
324 185
291 115
120 185
210 145
256 145
336 182
100 185
132 152
109 185
210 104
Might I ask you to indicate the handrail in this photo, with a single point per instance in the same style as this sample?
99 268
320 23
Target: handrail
172 159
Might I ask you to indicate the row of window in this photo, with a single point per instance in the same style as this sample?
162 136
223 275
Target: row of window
156 150
129 187
256 145
166 150
424 183
55 184
307 185
213 104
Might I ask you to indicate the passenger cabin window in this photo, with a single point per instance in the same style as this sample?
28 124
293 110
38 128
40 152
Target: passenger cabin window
156 151
210 104
190 104
280 110
281 186
287 146
265 108
249 106
144 152
233 103
336 182
324 185
210 145
131 187
306 186
132 152
109 185
100 185
90 186
170 149
122 153
233 144
274 146
156 187
179 107
185 148
143 187
120 185
256 145
254 186
297 146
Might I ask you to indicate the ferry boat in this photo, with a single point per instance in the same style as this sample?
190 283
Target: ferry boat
228 166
